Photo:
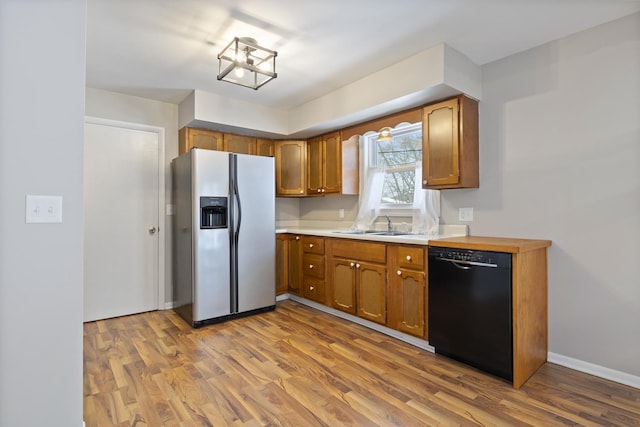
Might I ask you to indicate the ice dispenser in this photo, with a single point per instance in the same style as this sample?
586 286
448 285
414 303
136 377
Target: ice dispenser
213 212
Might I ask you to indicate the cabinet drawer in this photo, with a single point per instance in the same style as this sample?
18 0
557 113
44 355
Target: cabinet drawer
313 245
314 289
410 257
313 265
357 249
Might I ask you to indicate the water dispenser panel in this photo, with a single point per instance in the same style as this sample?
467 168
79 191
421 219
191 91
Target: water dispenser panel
213 212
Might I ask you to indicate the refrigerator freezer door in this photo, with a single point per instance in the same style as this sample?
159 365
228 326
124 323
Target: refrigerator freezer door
211 282
256 244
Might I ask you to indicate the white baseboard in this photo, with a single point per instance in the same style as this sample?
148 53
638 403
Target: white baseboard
169 305
596 370
558 359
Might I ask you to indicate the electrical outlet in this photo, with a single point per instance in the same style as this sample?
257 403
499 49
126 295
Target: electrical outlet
340 213
43 209
465 214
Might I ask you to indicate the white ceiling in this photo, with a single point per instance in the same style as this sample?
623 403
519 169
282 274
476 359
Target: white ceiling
163 49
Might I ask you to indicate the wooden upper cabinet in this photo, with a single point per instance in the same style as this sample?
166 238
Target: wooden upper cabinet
290 168
450 144
189 138
240 144
264 147
314 165
332 165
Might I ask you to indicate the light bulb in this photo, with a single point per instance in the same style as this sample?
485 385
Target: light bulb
239 72
241 56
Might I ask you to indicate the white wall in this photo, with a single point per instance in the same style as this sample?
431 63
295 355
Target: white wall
42 79
560 160
115 106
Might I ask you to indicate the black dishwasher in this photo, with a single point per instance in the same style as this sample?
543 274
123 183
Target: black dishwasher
470 316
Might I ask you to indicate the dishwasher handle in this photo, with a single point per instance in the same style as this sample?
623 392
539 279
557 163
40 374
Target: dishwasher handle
458 263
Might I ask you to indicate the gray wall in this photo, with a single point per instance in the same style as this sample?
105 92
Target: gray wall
42 79
132 109
560 160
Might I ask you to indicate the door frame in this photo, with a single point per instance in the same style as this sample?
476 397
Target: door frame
159 131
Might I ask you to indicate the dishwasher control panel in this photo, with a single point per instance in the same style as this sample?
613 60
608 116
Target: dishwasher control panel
472 256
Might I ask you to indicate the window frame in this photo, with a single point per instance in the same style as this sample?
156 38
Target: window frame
370 156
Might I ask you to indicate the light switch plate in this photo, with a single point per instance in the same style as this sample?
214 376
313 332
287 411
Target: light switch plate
465 214
170 209
43 209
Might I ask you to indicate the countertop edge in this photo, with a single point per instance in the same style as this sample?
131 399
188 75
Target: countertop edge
495 244
422 240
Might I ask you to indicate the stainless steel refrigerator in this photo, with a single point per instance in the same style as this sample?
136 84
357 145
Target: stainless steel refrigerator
224 235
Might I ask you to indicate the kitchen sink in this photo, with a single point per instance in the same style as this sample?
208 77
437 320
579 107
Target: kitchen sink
389 233
373 232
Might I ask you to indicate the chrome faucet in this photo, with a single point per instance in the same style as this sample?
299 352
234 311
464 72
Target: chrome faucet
389 224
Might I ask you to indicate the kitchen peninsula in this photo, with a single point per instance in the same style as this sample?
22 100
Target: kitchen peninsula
380 281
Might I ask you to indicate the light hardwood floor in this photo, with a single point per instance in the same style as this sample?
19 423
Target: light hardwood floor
297 366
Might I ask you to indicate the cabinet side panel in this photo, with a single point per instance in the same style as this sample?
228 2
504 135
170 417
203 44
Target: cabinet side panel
530 316
469 139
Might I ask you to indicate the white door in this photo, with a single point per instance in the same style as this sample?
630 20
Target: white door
120 221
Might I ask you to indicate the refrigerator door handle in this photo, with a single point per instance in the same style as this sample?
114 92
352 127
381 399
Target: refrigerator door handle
233 231
237 200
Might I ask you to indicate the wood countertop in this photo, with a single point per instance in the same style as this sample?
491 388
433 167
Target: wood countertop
495 244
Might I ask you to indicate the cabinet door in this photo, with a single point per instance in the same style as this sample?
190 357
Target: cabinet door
331 163
407 302
290 168
371 292
450 144
264 147
240 144
314 166
295 264
342 275
189 138
282 263
440 131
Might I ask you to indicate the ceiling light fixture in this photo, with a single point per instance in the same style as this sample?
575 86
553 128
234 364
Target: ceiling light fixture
252 65
385 134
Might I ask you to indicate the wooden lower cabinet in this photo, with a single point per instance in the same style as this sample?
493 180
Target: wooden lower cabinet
381 282
371 292
282 263
295 264
407 297
357 278
288 264
343 279
313 268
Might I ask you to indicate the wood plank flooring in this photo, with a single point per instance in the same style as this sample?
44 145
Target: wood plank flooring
297 366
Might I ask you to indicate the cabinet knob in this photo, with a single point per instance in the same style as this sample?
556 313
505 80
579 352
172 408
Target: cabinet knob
408 257
297 237
310 266
310 245
424 182
322 190
311 288
301 191
319 190
357 265
399 273
352 264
